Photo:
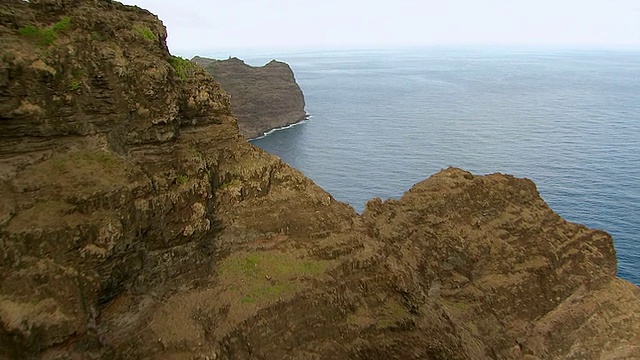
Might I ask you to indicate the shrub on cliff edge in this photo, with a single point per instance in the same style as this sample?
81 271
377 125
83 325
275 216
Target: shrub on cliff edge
145 33
46 36
183 67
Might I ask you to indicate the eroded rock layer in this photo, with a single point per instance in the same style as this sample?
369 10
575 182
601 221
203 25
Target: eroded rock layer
136 223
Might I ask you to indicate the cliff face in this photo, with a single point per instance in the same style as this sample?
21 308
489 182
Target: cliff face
262 98
120 171
136 223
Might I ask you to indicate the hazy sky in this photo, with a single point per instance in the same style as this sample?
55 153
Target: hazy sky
199 25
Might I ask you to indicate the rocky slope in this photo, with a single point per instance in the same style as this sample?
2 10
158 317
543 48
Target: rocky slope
262 98
136 223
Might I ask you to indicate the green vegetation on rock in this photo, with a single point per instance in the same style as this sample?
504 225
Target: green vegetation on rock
266 276
43 37
145 32
46 36
183 67
77 75
62 25
75 85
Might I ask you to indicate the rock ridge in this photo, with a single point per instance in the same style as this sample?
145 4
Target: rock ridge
137 223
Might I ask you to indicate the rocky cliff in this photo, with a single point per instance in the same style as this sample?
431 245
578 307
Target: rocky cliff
262 98
136 223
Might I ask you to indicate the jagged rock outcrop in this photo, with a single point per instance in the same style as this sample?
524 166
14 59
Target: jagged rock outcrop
262 98
136 223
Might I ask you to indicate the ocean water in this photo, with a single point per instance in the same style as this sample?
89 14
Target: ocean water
382 120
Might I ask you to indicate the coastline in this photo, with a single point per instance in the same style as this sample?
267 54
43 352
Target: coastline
287 126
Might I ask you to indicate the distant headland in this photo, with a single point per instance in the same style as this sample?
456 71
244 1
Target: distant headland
262 98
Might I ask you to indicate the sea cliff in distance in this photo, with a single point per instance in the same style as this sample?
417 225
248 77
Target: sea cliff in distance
262 98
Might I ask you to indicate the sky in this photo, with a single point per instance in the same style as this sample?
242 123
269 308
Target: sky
202 25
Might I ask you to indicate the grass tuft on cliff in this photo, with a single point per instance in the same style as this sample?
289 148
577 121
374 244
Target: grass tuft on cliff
145 32
263 277
45 36
183 67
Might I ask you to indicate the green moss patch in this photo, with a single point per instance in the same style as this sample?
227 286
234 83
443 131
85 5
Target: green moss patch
62 25
182 179
45 36
183 67
75 85
144 32
262 277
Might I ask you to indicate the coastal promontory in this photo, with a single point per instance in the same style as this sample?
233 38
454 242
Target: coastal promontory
137 223
262 98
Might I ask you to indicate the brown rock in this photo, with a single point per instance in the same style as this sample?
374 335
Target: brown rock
263 98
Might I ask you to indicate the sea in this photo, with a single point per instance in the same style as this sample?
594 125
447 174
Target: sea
384 119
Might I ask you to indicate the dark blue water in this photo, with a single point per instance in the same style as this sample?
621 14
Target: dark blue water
382 120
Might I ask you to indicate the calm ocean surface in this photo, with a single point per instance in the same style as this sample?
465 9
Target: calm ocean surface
382 120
